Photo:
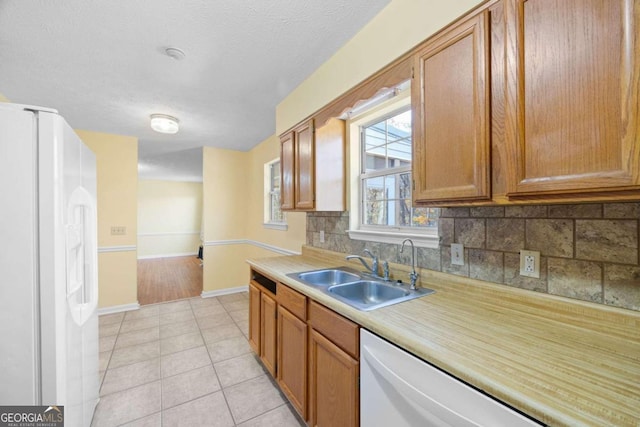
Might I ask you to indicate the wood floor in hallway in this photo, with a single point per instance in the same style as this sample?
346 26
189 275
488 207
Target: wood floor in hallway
168 279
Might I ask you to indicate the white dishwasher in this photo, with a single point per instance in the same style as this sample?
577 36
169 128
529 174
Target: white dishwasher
398 389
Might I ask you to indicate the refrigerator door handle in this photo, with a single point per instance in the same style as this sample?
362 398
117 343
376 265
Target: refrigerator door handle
81 255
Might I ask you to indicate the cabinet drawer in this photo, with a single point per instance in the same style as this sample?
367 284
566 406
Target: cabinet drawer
293 301
343 332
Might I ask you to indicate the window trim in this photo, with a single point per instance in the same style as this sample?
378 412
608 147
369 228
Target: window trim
428 238
267 222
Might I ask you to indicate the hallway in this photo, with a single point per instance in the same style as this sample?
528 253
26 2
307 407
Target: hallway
168 279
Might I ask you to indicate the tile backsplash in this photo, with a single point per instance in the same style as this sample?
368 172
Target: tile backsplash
588 251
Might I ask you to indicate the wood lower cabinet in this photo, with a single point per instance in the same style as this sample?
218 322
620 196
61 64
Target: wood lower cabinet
268 330
333 380
311 351
254 317
292 359
573 79
334 368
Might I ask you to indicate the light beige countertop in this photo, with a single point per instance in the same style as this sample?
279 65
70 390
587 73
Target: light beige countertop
562 361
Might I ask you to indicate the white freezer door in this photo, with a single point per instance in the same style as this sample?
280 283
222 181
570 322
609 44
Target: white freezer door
19 367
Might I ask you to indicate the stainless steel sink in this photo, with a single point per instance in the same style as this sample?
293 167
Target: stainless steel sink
328 277
358 290
368 292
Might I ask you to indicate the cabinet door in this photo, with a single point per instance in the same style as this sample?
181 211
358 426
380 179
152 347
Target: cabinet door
254 318
333 381
450 99
304 170
292 359
287 171
573 78
268 333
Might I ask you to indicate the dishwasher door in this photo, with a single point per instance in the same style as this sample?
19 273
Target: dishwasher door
398 389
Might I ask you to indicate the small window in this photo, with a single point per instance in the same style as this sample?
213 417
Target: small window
381 207
273 215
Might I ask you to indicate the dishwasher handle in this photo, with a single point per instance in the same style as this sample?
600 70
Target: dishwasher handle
425 403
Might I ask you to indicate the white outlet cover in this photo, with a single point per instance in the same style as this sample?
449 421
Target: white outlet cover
530 264
322 236
457 254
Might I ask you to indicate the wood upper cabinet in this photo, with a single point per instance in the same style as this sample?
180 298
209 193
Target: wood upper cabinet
572 110
313 167
304 166
451 105
268 310
287 171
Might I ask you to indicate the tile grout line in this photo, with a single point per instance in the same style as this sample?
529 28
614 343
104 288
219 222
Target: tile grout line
215 371
234 322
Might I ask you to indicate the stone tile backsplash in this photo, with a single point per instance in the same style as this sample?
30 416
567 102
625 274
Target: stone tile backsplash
588 251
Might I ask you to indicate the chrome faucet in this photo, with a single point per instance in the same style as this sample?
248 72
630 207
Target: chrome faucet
413 275
373 269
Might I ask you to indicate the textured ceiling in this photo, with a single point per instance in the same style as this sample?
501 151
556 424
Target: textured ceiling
101 63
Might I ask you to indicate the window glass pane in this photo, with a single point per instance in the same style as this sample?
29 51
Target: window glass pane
374 189
404 186
425 217
386 199
390 187
375 213
275 213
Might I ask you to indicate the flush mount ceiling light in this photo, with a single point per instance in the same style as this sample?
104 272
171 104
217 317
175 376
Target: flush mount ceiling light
175 53
164 124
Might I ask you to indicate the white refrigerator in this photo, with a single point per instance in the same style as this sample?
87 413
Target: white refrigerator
48 264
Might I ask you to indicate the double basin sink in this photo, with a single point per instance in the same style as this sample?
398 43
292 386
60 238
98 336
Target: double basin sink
357 289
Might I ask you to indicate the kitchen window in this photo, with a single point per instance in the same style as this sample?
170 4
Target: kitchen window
381 208
274 218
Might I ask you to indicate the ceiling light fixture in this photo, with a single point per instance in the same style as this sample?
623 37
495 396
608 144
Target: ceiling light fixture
175 53
164 124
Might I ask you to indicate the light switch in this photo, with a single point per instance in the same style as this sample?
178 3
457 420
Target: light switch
457 254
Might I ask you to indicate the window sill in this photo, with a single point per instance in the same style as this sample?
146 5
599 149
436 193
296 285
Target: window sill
275 226
419 240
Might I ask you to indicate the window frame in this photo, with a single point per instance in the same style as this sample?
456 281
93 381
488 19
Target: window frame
268 221
427 237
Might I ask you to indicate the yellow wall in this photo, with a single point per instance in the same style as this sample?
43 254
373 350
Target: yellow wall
294 237
233 184
395 30
169 218
225 178
117 164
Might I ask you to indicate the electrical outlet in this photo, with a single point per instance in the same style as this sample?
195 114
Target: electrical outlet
457 254
530 264
322 236
118 230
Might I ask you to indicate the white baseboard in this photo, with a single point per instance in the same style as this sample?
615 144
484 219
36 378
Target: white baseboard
226 291
168 255
118 308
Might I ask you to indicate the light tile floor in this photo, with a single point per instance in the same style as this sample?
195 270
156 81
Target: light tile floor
186 363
